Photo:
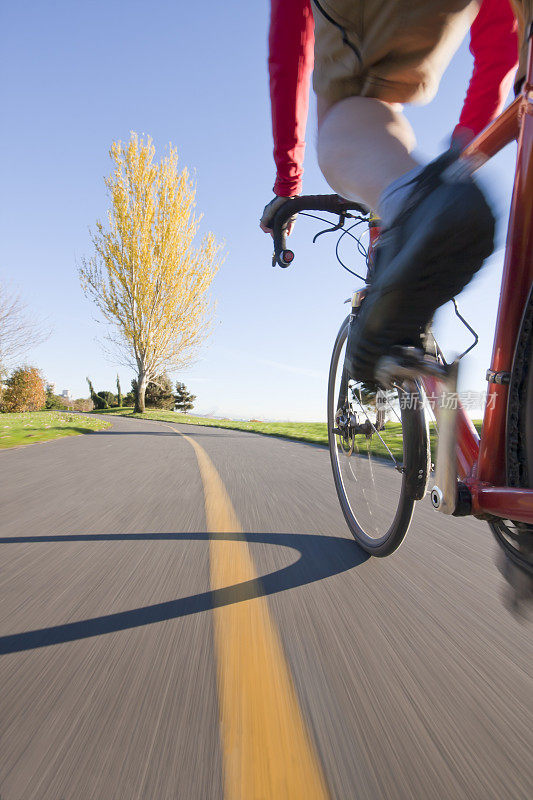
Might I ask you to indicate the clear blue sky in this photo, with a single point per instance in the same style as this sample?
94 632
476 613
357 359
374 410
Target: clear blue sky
76 76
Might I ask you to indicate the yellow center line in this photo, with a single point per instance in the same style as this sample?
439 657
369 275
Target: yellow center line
268 753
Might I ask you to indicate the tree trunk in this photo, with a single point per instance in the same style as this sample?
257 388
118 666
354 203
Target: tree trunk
142 383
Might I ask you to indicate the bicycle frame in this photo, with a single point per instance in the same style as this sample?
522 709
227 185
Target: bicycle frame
481 460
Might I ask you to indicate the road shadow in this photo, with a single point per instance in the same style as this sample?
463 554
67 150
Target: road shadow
320 557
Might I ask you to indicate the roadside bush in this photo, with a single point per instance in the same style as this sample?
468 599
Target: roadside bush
158 393
82 404
24 390
98 402
108 398
54 400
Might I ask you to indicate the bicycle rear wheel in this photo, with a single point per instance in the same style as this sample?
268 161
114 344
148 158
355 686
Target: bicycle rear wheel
520 406
380 454
516 538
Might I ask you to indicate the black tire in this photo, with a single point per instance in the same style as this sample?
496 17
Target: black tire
520 406
516 538
412 477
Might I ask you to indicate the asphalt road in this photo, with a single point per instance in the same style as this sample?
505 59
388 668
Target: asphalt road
153 650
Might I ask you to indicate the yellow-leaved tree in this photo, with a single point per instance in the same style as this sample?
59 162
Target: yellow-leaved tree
148 277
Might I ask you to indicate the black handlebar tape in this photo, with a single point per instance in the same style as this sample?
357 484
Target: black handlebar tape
310 202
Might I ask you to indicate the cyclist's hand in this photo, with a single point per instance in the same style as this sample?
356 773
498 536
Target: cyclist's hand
267 219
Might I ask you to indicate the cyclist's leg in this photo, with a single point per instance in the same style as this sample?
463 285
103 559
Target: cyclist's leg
397 52
400 50
364 145
442 228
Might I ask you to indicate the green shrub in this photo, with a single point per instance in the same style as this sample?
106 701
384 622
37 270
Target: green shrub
54 400
158 393
108 398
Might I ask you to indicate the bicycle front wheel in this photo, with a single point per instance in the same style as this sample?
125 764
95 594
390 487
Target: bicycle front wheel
380 453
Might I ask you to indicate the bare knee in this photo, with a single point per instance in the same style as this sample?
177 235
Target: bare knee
363 144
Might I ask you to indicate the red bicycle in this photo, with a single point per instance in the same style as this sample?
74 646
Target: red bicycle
488 475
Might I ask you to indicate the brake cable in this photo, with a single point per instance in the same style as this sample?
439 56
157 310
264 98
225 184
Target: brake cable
345 232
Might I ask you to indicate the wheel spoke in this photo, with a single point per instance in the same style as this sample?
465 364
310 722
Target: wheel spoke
370 482
385 445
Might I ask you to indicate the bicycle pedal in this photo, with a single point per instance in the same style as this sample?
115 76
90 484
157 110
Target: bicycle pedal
408 363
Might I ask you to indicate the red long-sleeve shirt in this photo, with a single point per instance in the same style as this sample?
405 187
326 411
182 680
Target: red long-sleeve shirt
493 43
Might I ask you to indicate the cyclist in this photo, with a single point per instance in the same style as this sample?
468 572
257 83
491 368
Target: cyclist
371 56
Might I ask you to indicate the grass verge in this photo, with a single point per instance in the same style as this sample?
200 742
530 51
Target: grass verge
41 426
314 432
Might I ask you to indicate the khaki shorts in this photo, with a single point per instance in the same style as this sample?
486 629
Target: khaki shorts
402 47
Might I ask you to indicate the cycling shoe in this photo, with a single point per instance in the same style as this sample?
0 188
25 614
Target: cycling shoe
428 254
